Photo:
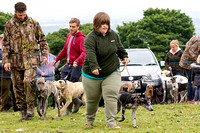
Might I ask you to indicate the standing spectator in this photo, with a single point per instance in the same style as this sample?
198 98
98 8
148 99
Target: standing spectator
47 70
173 57
189 56
195 77
20 45
5 84
74 53
101 74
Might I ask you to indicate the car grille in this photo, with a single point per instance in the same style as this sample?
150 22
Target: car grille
126 78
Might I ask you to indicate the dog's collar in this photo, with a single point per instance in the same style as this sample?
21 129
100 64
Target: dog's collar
61 88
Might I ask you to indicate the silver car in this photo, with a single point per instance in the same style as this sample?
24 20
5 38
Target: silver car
143 66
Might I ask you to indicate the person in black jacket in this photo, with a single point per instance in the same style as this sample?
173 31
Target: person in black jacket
173 57
195 76
5 82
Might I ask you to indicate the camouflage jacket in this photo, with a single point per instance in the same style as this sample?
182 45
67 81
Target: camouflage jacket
191 52
20 43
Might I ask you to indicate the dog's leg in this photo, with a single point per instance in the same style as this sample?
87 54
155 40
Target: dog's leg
118 106
68 101
134 117
45 108
57 103
61 99
176 95
38 107
122 117
84 99
183 96
172 96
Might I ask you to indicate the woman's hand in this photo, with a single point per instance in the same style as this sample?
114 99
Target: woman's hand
125 61
96 71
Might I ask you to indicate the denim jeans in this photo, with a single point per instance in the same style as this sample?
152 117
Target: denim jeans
72 74
51 78
190 88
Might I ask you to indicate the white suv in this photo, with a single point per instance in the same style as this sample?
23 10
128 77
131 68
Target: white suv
143 66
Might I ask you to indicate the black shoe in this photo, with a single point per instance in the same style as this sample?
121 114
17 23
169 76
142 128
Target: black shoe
4 111
16 109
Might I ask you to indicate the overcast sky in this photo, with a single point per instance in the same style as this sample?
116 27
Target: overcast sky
85 10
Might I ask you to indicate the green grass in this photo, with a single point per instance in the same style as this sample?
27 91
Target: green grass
168 118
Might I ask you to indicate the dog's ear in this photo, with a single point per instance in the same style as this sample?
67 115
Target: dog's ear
44 79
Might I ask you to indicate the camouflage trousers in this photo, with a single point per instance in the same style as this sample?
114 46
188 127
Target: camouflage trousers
24 87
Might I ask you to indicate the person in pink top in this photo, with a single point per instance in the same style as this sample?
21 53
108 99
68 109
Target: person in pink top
74 54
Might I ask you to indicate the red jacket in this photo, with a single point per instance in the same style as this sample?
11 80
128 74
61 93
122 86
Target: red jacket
76 51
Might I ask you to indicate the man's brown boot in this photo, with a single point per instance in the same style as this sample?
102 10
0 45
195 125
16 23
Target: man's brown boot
23 113
30 113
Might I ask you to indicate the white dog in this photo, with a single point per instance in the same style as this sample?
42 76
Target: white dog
177 84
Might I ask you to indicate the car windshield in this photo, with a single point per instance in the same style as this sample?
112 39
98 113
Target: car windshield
141 58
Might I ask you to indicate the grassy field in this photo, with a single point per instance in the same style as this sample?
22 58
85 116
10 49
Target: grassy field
168 118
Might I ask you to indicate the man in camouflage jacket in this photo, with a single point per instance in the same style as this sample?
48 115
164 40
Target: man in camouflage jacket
21 56
189 56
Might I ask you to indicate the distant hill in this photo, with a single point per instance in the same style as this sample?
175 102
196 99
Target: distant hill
54 25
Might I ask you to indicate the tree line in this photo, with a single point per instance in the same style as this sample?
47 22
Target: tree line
156 30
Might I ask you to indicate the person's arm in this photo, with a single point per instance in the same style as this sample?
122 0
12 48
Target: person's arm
6 48
41 40
90 50
192 75
194 49
121 52
82 50
63 53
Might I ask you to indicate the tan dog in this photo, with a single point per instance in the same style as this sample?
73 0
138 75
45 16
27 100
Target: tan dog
131 86
149 92
126 85
69 91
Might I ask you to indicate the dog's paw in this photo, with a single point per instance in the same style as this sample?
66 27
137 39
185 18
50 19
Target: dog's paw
56 116
84 113
135 126
68 113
